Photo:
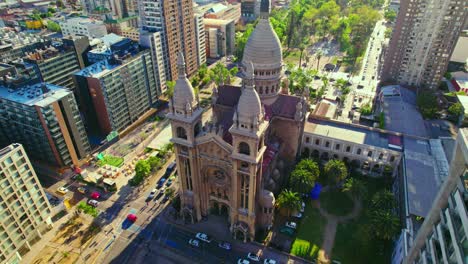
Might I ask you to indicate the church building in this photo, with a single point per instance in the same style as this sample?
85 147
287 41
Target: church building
234 163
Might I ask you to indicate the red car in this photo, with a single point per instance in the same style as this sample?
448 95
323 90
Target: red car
95 195
131 218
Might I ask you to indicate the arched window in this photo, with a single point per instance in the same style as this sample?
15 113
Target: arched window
181 133
244 148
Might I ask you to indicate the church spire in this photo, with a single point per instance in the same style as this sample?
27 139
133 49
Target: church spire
181 65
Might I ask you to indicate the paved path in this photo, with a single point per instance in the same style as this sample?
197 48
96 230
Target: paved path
330 229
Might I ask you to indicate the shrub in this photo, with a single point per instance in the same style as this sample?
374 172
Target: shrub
366 109
88 209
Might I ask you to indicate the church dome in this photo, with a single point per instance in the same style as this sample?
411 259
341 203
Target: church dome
267 199
263 47
249 105
183 90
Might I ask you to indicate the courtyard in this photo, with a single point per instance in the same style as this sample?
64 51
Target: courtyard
337 227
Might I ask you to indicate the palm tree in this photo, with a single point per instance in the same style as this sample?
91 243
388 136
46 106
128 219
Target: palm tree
356 187
319 56
335 170
384 224
302 181
288 201
383 200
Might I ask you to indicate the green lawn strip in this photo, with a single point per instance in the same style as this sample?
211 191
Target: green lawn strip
88 209
336 202
309 237
111 160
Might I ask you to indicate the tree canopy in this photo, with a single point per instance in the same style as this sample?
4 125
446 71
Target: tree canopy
357 188
427 103
335 170
288 201
303 177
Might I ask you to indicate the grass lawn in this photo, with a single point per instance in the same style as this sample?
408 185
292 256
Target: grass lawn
336 202
309 237
292 56
353 241
111 160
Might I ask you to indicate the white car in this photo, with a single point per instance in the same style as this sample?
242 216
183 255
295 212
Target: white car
302 207
292 225
203 237
93 203
297 215
152 194
62 190
253 256
194 242
269 261
243 261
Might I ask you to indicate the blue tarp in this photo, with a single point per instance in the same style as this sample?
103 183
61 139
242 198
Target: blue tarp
315 192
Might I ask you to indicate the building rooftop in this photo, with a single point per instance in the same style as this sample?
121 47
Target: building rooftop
352 133
216 22
464 101
460 53
12 39
426 166
401 114
82 21
4 151
98 69
47 52
39 94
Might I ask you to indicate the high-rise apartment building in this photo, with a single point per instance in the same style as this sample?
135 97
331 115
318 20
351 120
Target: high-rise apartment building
154 42
442 237
83 26
200 38
220 36
25 210
423 40
55 64
114 93
44 118
175 20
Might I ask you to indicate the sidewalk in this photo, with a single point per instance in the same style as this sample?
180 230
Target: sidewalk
45 241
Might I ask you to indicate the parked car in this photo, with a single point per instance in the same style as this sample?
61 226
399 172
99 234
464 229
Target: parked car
152 194
161 183
243 261
168 182
159 195
203 237
93 203
171 167
288 231
297 215
269 261
292 225
62 190
253 257
225 245
82 190
165 199
132 218
194 242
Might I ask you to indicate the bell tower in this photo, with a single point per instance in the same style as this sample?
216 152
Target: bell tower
248 135
185 114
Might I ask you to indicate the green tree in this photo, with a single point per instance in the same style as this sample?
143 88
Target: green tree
335 170
169 192
456 110
142 168
357 188
383 200
388 32
288 201
302 181
390 15
170 88
241 40
233 71
427 103
154 162
52 26
384 224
